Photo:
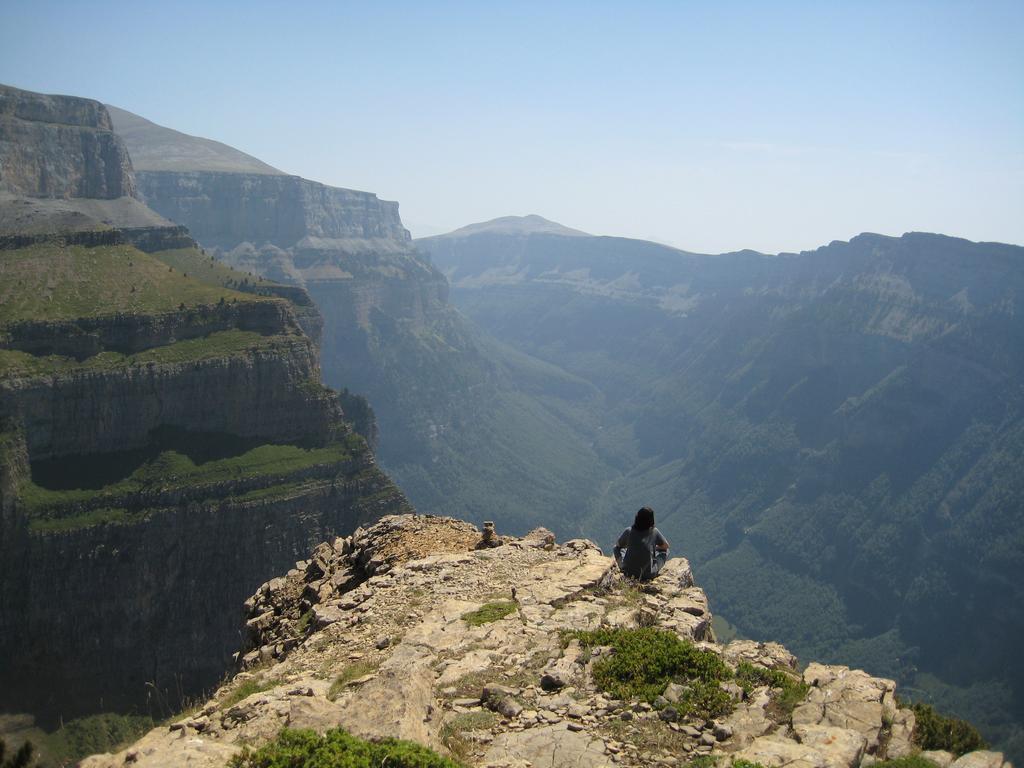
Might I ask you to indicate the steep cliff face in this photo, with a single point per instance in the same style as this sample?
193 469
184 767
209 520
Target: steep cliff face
225 209
454 431
522 651
145 447
108 617
63 169
60 146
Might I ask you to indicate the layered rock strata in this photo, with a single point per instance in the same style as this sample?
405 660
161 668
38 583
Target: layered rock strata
165 441
223 210
370 634
389 332
60 146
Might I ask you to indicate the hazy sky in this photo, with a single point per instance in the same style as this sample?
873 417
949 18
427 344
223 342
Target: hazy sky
713 126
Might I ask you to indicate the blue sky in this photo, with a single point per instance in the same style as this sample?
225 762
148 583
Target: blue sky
712 126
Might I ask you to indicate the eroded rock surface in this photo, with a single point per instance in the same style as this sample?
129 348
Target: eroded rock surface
376 633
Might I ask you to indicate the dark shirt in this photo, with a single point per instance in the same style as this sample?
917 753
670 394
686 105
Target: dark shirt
639 555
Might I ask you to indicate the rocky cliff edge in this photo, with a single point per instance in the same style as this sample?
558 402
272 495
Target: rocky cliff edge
419 628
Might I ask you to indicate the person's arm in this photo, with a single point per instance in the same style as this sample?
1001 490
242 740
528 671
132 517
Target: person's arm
660 542
620 545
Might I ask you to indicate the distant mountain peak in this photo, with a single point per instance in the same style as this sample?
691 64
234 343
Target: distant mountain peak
531 224
155 147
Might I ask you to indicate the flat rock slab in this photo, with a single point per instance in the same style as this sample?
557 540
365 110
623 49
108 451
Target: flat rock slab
779 752
839 747
550 746
940 757
561 579
981 758
189 752
396 703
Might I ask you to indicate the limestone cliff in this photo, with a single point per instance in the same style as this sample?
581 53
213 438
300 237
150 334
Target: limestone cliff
381 302
454 431
420 628
224 210
62 167
152 460
60 146
165 439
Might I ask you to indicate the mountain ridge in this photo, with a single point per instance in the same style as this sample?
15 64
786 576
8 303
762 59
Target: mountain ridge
157 148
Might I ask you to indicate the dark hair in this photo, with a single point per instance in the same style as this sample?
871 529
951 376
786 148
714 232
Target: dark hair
644 519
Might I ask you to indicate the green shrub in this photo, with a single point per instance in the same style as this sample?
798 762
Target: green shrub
913 761
745 764
20 759
645 660
489 612
452 732
245 690
935 731
705 699
788 689
351 672
337 749
103 732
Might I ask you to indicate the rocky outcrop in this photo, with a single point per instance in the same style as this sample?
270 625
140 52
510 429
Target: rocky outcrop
60 146
370 633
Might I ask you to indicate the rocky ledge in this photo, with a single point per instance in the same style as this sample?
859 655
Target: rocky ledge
418 627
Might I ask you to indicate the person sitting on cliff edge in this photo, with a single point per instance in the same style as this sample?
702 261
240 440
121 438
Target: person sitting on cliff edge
641 550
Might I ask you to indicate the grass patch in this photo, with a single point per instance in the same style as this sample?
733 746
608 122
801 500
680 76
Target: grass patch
106 732
53 281
208 270
937 731
304 621
788 690
453 730
911 761
217 345
654 735
644 661
169 469
94 517
352 672
245 690
337 749
489 612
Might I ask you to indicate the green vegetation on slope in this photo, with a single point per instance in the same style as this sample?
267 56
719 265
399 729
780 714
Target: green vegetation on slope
935 731
337 749
64 282
23 758
48 508
489 612
233 343
209 270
